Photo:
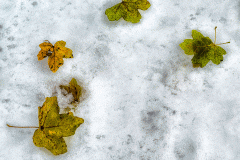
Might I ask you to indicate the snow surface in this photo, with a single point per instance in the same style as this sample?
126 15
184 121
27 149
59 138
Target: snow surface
142 99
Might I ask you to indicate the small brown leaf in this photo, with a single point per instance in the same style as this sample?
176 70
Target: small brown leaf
73 88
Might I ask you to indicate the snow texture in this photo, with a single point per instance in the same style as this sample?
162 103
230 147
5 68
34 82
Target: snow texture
142 98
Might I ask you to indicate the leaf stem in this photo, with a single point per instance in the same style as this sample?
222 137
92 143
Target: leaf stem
215 34
47 41
222 43
22 127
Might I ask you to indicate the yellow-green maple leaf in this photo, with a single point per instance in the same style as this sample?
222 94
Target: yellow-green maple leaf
203 49
54 126
128 9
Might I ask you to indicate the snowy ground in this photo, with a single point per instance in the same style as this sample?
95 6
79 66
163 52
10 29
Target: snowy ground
143 100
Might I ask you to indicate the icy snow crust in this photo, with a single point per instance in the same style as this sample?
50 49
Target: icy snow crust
142 99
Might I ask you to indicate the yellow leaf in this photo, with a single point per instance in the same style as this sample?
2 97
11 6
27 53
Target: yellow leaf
56 54
45 48
54 126
60 48
55 61
68 53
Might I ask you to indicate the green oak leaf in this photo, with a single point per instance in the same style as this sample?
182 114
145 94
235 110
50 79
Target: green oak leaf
203 49
54 126
128 9
73 88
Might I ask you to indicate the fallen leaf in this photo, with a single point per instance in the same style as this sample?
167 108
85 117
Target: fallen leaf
128 9
203 49
46 47
60 48
54 126
73 88
56 54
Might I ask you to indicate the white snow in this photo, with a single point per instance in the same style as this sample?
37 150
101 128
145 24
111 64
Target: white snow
142 97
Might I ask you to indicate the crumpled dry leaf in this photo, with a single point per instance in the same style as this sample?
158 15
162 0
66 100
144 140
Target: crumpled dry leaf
56 54
73 88
54 126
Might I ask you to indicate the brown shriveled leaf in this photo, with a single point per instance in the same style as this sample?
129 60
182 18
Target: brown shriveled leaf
54 126
73 88
67 109
56 54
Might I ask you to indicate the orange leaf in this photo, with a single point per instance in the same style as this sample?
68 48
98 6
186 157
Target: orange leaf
56 54
45 48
